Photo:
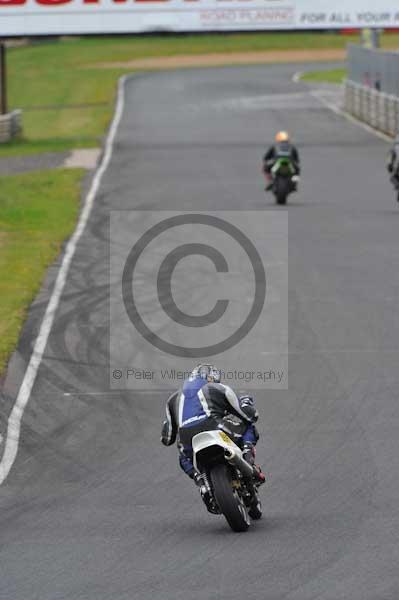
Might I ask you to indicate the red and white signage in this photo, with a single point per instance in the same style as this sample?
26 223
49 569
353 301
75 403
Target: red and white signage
53 17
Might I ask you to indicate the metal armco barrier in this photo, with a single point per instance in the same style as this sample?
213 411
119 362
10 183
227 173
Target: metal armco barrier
379 110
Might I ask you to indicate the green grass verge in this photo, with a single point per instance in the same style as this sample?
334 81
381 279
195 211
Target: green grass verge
68 103
332 76
38 211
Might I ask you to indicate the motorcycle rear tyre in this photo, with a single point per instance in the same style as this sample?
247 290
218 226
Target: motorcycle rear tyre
228 500
281 190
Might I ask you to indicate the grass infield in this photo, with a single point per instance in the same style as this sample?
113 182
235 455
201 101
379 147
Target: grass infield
332 76
38 211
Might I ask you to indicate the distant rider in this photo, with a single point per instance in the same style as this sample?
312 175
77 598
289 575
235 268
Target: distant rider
393 162
283 148
204 404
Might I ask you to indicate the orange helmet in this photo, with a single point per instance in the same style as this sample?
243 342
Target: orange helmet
282 136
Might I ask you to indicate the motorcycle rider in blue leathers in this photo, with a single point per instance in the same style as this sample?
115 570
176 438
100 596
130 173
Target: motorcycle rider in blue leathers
204 404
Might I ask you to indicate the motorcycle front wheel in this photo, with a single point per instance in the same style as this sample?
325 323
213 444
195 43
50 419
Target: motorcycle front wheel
228 499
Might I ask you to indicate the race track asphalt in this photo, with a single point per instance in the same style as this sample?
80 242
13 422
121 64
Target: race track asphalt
94 507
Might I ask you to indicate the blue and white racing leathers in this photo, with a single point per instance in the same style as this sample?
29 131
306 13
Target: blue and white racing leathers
201 406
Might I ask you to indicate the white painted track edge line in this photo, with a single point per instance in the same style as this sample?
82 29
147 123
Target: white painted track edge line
14 421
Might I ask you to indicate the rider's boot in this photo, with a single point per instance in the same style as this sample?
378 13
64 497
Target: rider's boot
295 180
249 456
269 182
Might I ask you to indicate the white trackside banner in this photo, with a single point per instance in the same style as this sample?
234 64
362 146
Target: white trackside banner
53 17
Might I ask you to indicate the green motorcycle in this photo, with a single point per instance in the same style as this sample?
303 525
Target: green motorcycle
284 179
